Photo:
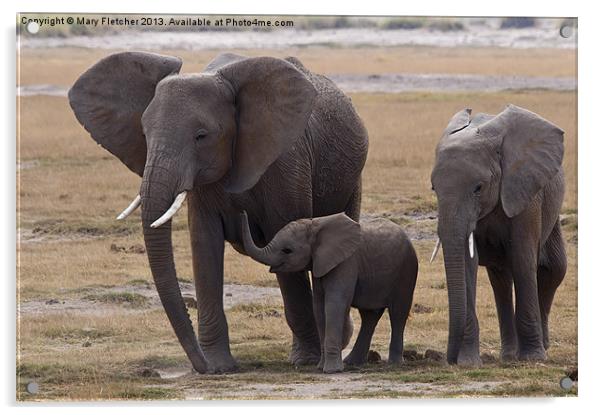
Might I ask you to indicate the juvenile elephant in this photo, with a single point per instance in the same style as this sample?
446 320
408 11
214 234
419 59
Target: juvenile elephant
262 134
500 185
370 266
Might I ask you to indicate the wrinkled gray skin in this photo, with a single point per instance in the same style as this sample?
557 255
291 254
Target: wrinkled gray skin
263 135
501 178
371 267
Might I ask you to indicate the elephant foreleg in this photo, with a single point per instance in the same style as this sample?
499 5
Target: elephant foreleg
298 310
502 290
207 243
525 236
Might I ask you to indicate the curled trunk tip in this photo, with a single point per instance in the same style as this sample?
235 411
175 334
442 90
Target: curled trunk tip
259 254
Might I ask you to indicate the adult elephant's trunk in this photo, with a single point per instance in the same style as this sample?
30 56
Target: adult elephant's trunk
264 255
454 243
157 197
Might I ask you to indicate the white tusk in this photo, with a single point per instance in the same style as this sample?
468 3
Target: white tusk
177 204
437 245
128 210
471 245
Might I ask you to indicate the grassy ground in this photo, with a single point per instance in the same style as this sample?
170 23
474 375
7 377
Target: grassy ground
97 338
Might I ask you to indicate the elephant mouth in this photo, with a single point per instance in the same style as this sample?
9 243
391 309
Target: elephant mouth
277 268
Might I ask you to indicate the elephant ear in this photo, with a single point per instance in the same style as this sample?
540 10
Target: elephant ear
110 97
458 122
532 151
222 60
274 101
337 237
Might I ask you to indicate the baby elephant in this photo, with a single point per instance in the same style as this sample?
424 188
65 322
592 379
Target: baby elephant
370 266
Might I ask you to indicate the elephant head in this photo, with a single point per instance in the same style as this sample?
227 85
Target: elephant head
481 163
178 132
319 244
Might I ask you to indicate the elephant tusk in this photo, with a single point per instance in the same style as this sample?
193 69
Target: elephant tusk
471 245
175 206
434 254
128 210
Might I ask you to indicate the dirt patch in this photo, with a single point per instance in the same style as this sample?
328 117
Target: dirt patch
417 225
399 83
136 298
27 164
343 385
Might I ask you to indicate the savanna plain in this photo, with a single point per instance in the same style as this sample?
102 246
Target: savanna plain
90 325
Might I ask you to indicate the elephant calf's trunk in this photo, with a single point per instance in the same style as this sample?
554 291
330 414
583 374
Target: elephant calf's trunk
259 254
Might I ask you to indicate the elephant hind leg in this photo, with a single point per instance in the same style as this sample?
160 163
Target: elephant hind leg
550 274
398 315
359 353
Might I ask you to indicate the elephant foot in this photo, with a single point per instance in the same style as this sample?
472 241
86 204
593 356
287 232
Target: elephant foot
509 354
220 362
546 342
354 360
469 358
333 366
320 364
303 355
395 360
534 355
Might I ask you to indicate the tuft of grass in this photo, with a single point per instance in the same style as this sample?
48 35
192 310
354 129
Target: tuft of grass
141 282
148 393
132 299
160 361
76 333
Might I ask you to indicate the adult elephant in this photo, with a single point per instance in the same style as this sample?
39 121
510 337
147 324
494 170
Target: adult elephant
263 135
500 185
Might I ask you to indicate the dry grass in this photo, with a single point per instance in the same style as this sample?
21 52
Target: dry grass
71 190
485 61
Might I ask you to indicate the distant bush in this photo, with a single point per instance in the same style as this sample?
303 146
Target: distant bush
332 22
407 23
517 22
446 25
410 23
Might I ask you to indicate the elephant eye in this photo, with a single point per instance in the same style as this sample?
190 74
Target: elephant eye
287 251
478 188
202 133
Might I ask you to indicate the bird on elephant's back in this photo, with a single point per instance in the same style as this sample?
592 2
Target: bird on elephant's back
261 134
500 185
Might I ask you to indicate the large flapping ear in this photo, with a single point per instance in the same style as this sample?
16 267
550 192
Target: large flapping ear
336 238
458 122
532 151
110 98
274 101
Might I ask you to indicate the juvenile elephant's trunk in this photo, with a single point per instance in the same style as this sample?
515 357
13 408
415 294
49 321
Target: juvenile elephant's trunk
156 199
263 255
